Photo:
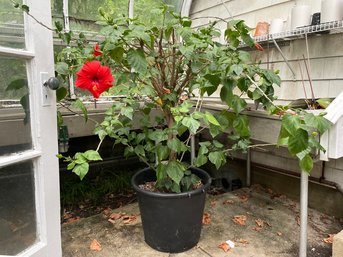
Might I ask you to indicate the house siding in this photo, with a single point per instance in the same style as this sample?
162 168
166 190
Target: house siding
326 65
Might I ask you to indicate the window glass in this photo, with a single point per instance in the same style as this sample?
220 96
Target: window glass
17 208
14 106
11 25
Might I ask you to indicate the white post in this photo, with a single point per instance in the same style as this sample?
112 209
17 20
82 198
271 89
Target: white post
67 29
131 4
303 214
248 167
192 149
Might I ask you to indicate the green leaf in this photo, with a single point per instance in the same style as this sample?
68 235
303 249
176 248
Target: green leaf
241 126
318 122
298 142
291 123
217 158
306 164
59 119
283 137
192 124
61 93
176 145
200 160
211 119
117 54
127 111
272 77
214 79
25 8
71 166
62 68
79 104
92 155
237 69
175 171
136 59
243 84
226 92
238 104
244 56
162 152
139 150
81 169
302 154
16 85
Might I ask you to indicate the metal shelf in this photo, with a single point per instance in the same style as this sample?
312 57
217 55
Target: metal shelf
298 32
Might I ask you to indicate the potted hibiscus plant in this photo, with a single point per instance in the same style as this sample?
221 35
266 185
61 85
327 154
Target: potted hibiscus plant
163 71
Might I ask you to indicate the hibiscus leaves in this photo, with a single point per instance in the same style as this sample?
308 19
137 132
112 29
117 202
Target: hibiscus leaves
79 164
300 132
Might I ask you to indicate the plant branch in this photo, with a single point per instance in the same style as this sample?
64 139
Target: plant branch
263 93
78 114
251 146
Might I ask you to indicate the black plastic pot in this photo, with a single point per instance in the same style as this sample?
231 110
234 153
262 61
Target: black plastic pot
171 222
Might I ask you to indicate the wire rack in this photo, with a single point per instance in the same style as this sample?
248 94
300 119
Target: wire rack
289 34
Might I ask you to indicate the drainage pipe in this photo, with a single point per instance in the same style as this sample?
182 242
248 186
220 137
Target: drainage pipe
318 181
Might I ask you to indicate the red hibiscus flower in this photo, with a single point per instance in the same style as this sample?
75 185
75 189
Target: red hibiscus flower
94 78
97 50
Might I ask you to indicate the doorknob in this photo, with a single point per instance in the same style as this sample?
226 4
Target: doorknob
52 83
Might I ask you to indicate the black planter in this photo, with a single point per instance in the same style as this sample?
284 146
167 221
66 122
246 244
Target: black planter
171 222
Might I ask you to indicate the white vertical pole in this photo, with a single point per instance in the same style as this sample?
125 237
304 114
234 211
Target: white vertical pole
192 149
248 168
303 214
67 29
131 4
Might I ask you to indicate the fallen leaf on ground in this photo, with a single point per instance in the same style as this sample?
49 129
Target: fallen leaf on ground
116 216
279 233
298 220
259 222
240 219
329 239
206 219
95 246
243 197
127 219
242 241
228 202
213 203
224 246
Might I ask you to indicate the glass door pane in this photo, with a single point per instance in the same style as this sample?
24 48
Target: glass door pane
17 208
15 127
11 25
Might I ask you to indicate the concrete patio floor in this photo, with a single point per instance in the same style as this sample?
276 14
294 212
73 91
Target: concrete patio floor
271 229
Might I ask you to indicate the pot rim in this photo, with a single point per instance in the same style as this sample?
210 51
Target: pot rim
202 190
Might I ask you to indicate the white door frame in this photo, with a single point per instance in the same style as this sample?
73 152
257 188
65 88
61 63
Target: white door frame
39 60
